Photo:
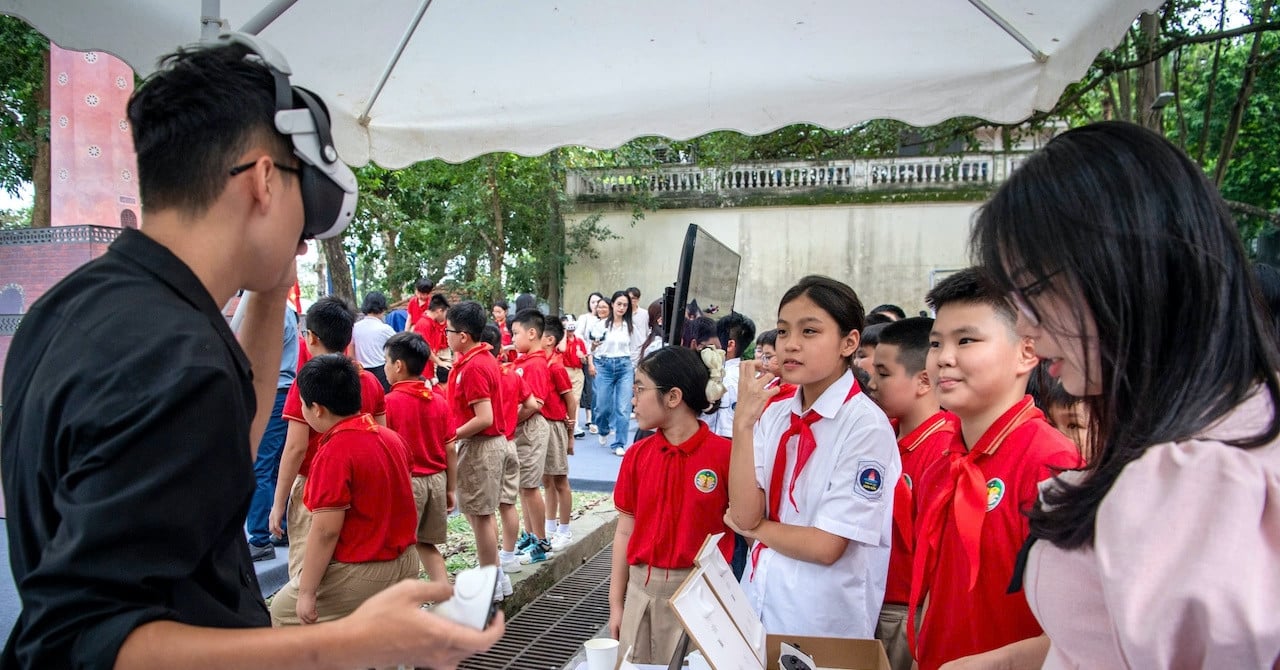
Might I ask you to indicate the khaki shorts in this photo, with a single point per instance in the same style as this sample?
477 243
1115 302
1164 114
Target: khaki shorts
433 508
480 474
577 379
510 475
298 519
531 447
891 630
343 588
557 462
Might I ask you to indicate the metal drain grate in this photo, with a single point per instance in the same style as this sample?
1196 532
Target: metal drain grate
547 633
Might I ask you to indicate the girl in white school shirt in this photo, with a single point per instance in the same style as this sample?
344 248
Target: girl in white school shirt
820 511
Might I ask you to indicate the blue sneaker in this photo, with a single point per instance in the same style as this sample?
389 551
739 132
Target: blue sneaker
526 540
537 553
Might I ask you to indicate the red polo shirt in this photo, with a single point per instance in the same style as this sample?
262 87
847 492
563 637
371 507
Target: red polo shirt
420 415
575 351
514 393
536 370
416 309
553 406
678 495
1019 451
919 450
363 468
474 377
372 402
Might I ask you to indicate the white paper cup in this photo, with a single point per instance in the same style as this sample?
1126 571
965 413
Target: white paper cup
602 653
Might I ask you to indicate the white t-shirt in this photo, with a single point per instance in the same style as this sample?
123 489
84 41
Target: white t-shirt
856 451
369 336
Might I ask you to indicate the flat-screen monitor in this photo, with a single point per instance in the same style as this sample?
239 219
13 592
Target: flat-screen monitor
706 283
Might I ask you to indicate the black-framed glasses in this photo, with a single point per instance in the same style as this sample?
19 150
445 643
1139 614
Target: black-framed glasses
455 332
280 166
1019 297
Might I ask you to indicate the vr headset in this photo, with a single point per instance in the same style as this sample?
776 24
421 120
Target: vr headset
329 187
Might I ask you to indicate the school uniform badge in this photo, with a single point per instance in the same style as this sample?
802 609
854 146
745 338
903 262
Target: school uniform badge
706 480
870 483
995 493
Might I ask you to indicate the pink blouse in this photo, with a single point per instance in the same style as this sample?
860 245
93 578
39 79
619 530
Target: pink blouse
1185 567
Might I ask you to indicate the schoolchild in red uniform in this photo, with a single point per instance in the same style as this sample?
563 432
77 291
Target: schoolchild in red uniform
561 412
431 327
417 305
474 399
360 498
905 393
672 492
970 504
420 414
577 362
533 433
329 324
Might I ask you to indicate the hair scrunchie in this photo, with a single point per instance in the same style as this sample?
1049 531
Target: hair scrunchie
714 360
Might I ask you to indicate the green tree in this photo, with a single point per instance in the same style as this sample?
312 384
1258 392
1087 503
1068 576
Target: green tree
24 112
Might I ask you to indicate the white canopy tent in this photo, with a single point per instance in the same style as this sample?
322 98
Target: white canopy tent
468 77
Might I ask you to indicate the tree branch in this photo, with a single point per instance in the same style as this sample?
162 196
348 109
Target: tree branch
1253 210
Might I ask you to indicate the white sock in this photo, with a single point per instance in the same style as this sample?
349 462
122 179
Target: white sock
563 529
551 527
506 556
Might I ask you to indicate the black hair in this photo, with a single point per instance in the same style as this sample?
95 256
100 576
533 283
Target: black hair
911 337
554 328
737 327
633 292
424 285
889 309
626 317
871 334
531 318
491 336
1269 293
374 303
193 118
526 301
833 297
657 328
503 304
331 319
593 295
768 338
972 286
678 367
699 330
468 317
1127 232
437 301
1056 395
409 348
331 381
877 319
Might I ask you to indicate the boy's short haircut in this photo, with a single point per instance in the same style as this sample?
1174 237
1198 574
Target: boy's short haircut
467 317
409 348
491 336
437 302
503 304
187 133
554 328
332 381
700 330
911 337
768 338
737 327
331 320
633 292
531 318
890 309
877 318
871 335
972 286
424 285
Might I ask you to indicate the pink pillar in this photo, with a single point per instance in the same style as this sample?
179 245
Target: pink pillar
92 162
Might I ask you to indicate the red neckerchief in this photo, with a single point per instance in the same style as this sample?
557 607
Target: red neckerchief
801 426
903 498
784 391
964 500
672 488
414 387
361 422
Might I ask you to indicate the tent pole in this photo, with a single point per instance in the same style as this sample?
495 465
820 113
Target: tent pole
268 14
995 17
210 20
391 65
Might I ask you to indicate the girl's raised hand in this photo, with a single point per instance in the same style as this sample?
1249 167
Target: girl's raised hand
755 388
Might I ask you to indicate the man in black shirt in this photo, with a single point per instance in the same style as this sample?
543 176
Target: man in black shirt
128 404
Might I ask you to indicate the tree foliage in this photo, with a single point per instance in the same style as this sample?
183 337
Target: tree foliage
23 123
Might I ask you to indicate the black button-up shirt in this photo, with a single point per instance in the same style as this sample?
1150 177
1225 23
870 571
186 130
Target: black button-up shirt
125 459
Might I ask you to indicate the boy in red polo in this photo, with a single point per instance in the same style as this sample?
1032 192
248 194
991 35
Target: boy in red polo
577 362
360 500
329 324
904 392
474 399
431 327
420 415
514 394
561 411
533 433
969 521
417 305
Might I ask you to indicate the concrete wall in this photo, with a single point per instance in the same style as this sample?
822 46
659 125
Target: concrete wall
885 252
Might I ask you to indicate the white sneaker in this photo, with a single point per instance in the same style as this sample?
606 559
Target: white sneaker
619 451
512 566
561 540
604 439
506 585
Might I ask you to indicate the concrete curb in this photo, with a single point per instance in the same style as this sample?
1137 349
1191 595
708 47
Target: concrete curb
592 532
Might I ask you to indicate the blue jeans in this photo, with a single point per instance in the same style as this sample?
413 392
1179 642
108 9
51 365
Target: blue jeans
265 469
613 397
